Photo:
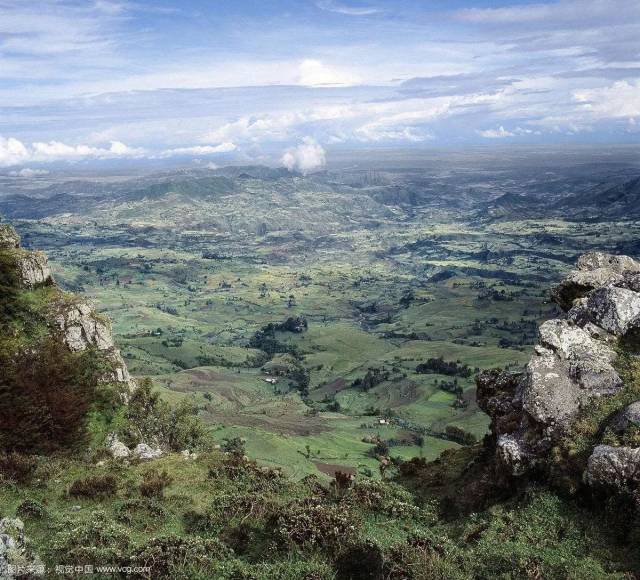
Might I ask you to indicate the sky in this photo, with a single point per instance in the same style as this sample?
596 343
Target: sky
290 81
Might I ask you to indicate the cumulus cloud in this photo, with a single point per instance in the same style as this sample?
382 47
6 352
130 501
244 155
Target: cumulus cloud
306 157
15 152
622 99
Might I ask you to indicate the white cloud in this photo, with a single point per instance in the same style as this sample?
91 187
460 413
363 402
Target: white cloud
622 99
341 8
15 152
226 147
306 157
499 133
28 173
314 73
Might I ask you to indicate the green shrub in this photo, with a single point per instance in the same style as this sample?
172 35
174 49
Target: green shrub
140 512
154 483
149 418
97 540
176 557
312 524
93 487
382 498
30 508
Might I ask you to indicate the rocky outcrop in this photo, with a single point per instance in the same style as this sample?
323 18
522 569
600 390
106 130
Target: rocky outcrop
9 238
32 267
594 270
573 364
81 328
75 320
16 557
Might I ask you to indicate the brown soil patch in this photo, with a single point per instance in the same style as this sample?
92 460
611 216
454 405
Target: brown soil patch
332 468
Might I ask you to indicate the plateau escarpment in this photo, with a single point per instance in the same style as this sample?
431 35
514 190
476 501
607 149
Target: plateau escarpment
572 415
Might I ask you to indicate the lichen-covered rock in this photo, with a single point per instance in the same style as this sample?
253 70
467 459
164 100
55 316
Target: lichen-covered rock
594 270
614 309
613 467
9 238
16 557
116 447
573 364
34 268
146 452
81 327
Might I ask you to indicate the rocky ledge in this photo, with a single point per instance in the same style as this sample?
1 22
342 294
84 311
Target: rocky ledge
573 364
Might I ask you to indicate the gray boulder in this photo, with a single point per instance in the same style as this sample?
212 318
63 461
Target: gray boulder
81 326
593 270
117 449
613 467
626 419
146 452
614 309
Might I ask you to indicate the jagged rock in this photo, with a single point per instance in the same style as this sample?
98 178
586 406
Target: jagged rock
627 418
146 452
117 449
16 557
594 270
572 364
614 309
615 467
9 238
81 327
34 268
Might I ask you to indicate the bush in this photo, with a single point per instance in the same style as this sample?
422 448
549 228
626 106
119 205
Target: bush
98 540
154 483
143 513
175 557
381 497
30 508
46 395
314 524
97 486
149 418
17 467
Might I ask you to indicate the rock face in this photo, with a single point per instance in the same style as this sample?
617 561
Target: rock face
572 365
33 267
